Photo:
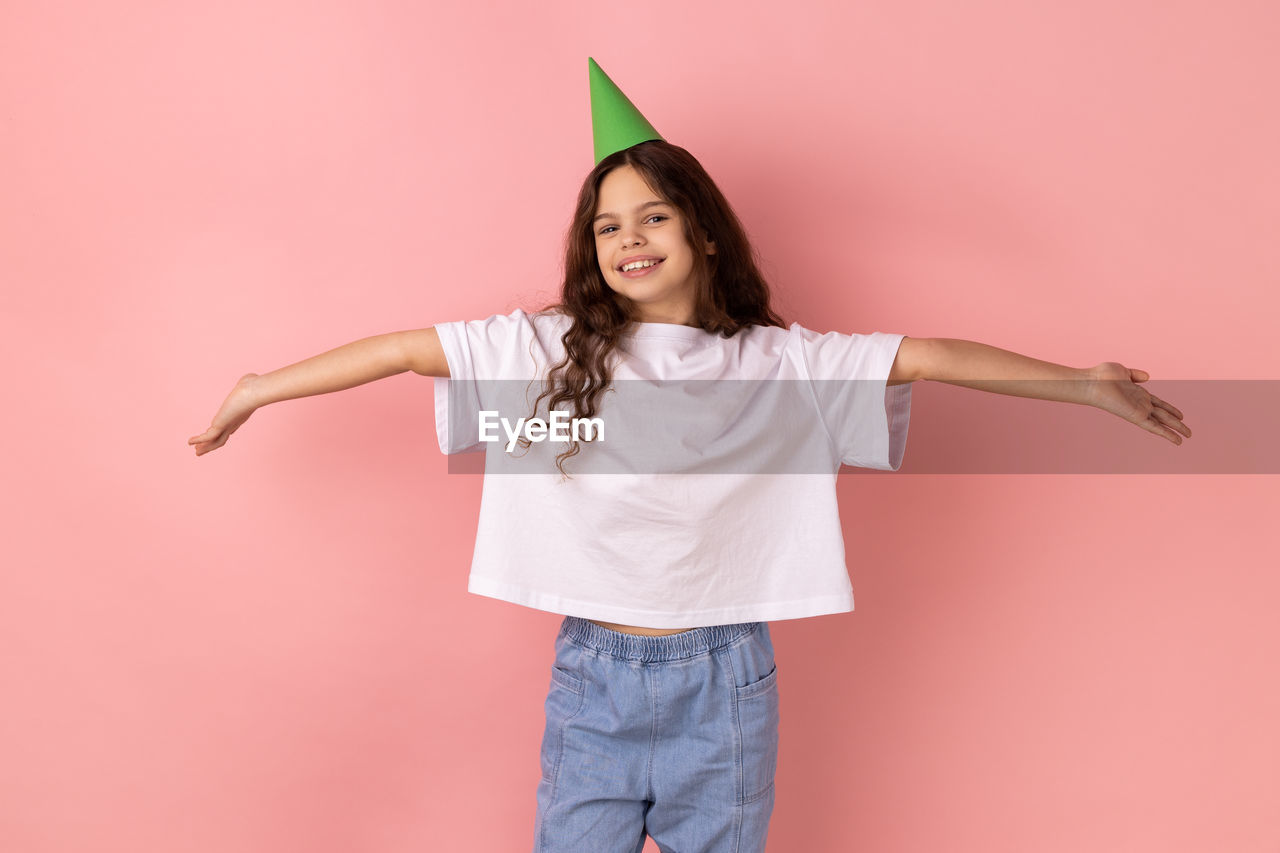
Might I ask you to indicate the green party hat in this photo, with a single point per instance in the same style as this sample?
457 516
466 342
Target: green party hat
615 122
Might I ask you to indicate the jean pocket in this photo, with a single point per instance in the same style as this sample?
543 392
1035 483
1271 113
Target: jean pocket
757 711
565 698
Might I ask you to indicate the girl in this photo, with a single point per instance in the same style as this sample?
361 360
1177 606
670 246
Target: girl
662 711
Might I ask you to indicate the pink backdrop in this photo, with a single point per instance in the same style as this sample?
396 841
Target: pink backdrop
271 648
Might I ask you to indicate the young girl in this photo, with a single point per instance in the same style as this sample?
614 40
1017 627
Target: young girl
691 522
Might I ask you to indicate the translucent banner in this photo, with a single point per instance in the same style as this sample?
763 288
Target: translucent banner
854 427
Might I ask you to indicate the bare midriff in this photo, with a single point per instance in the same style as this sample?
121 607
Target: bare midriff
632 629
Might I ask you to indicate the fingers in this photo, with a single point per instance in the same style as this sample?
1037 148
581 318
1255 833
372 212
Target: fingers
1169 414
1160 430
1162 404
1165 418
210 439
1167 425
206 446
1153 424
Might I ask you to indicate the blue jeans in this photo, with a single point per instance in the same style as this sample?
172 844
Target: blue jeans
673 736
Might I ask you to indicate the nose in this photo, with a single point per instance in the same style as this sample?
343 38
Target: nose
629 237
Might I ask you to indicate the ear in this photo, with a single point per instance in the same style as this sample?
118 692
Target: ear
711 246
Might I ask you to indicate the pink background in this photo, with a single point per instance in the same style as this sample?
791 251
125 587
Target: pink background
270 648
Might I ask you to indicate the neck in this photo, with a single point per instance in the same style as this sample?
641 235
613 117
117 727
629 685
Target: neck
675 315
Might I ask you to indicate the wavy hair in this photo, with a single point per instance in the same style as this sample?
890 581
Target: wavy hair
730 292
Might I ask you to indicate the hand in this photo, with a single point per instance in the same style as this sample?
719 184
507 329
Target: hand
235 410
1115 390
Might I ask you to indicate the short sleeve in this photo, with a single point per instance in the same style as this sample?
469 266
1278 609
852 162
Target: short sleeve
479 352
865 417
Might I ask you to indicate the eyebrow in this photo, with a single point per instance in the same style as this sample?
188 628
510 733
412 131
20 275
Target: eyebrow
638 209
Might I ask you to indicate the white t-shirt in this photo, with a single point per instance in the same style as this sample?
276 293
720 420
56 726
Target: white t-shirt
710 498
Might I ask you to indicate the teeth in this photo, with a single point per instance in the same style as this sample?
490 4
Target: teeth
638 265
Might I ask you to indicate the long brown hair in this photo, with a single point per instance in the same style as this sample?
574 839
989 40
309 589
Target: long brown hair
730 291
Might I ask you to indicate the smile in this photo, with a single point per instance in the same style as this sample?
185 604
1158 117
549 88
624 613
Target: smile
639 269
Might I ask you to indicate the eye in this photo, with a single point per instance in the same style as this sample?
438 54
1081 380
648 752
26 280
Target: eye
605 230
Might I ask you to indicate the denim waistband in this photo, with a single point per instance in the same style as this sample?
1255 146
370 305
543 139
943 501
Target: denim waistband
686 644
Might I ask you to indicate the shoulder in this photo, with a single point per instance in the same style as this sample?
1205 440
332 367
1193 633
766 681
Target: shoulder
512 325
785 338
816 341
549 318
759 335
845 355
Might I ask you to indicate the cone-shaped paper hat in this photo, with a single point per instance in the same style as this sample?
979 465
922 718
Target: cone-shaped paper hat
615 122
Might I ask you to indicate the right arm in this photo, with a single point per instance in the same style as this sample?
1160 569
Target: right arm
347 366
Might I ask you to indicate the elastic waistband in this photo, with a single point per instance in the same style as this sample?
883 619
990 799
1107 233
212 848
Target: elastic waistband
686 644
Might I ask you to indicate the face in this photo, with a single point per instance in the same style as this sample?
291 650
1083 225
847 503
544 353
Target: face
633 222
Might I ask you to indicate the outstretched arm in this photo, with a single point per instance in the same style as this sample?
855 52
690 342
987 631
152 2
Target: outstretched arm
1109 386
349 365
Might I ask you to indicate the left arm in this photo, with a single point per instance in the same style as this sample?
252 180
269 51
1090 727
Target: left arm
1110 386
